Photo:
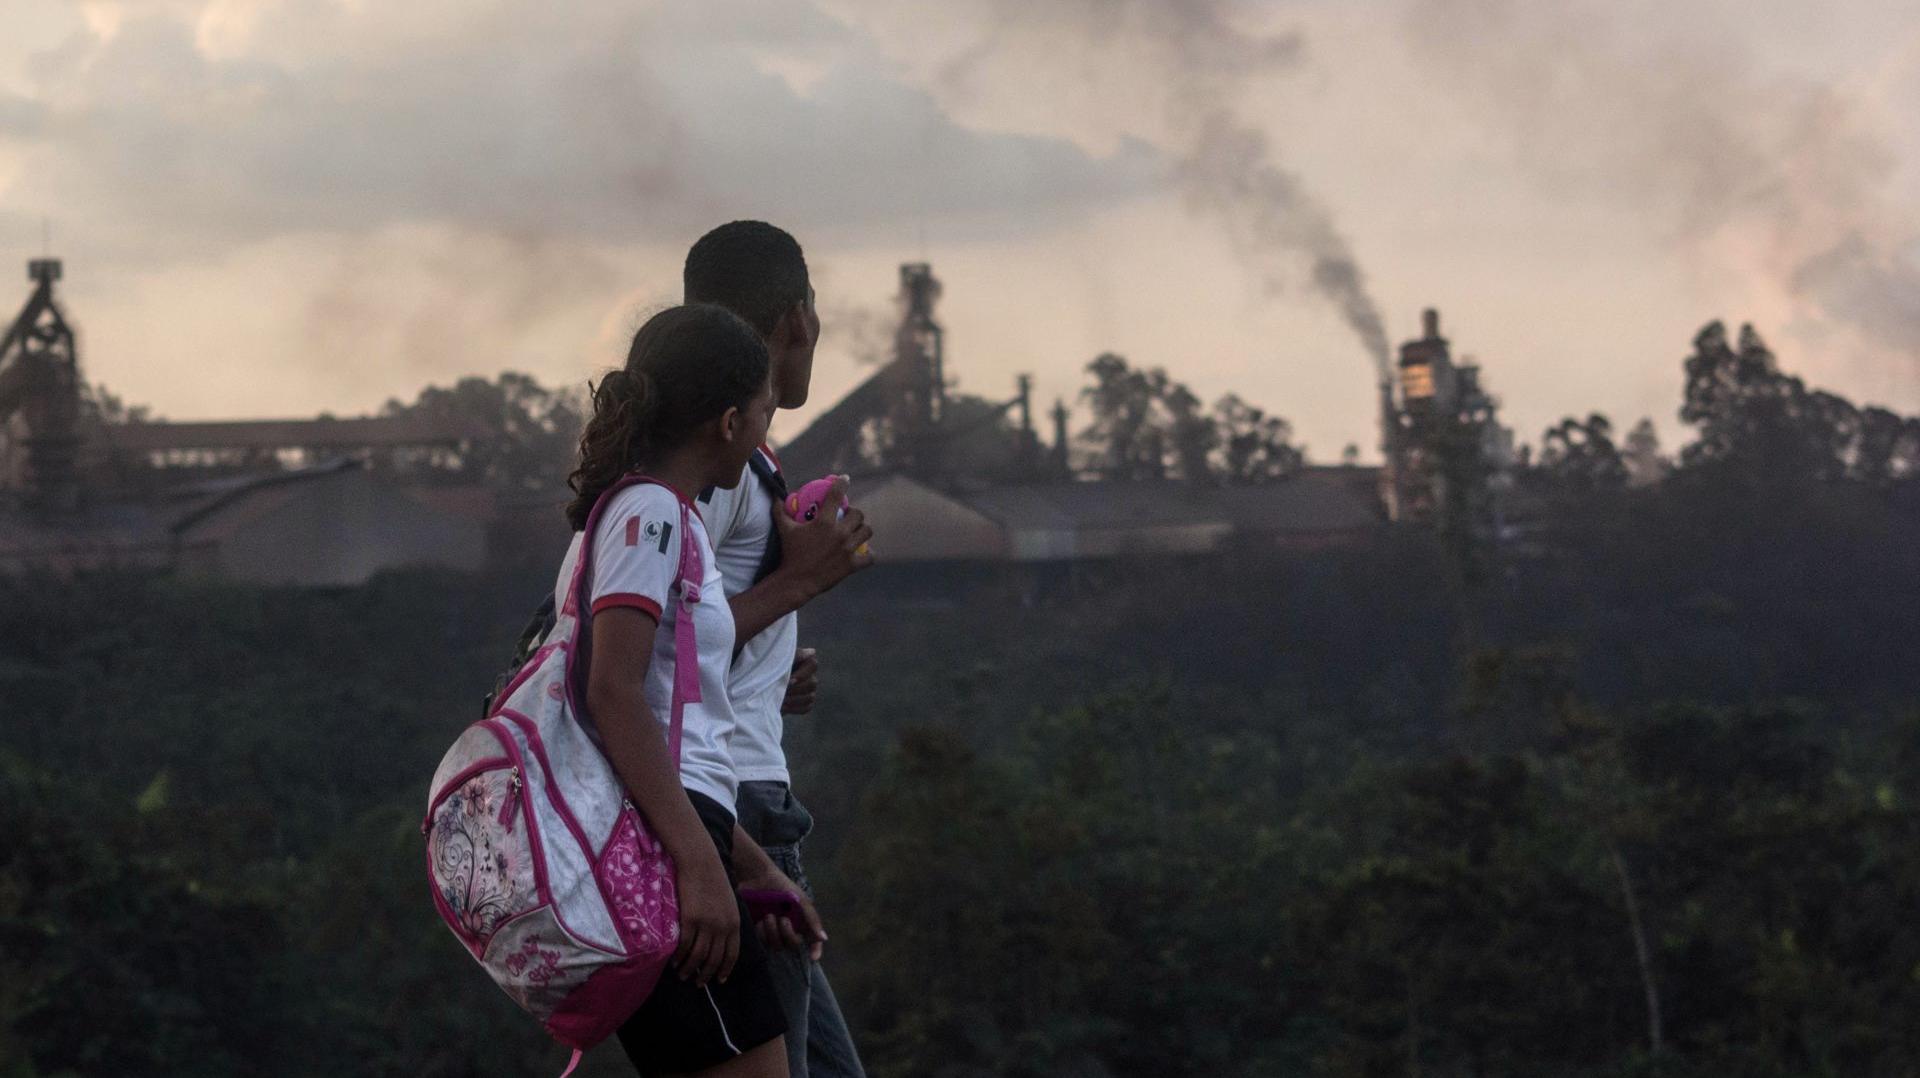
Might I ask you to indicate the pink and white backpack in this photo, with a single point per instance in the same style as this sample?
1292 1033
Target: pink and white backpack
538 862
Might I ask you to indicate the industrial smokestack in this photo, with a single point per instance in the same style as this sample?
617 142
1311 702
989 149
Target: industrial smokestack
1060 458
1430 323
1389 449
1029 445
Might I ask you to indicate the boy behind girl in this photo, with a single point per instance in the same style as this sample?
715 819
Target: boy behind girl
771 567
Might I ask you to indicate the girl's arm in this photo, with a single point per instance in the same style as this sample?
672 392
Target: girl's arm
756 871
637 747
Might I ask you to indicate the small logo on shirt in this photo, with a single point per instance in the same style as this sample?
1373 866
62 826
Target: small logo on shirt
653 532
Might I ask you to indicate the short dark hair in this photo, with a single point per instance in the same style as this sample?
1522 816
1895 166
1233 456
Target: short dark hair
749 267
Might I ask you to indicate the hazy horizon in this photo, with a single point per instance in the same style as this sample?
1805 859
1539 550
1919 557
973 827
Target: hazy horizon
276 209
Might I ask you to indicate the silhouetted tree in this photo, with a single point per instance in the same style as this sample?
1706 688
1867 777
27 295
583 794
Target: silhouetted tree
525 436
1641 455
1191 435
1305 839
1887 448
1148 426
101 404
1766 425
1254 446
1581 456
1128 436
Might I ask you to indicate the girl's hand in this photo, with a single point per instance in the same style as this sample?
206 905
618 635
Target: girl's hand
778 933
709 920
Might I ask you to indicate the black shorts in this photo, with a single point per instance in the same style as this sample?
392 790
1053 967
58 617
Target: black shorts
683 1027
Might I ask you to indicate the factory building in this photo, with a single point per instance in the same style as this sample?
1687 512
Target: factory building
264 501
944 478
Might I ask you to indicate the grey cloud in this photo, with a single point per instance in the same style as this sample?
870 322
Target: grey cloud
1693 136
1868 286
159 134
861 149
621 125
478 290
20 117
438 182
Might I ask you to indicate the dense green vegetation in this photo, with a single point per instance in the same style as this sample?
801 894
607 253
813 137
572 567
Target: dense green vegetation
1641 799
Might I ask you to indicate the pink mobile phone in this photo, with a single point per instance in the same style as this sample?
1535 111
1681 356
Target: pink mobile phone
764 904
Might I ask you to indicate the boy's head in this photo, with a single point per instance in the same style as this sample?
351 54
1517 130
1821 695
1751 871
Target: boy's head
757 271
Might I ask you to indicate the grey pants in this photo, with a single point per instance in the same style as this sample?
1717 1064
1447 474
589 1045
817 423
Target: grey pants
819 1044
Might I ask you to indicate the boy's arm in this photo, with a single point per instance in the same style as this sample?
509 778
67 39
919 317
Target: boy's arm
814 556
803 683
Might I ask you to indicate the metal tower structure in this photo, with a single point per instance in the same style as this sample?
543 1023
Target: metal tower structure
40 387
900 419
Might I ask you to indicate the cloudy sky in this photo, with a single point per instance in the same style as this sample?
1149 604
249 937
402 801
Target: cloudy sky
287 206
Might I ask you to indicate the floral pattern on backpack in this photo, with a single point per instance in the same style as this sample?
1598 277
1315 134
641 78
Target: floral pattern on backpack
482 869
638 876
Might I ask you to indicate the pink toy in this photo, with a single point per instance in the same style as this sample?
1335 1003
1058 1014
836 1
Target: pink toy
804 504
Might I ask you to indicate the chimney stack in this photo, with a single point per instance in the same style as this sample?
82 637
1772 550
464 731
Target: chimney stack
1062 462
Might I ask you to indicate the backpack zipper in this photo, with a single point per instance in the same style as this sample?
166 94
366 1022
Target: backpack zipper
512 807
491 763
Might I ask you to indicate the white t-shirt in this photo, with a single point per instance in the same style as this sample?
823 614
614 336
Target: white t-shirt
636 554
742 523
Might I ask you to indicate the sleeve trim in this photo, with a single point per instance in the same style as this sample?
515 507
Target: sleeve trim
626 598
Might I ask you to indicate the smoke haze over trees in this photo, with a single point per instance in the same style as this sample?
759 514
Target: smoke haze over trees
1625 165
1641 802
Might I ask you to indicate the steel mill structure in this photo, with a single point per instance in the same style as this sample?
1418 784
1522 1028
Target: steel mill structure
1448 458
40 398
275 501
944 477
900 415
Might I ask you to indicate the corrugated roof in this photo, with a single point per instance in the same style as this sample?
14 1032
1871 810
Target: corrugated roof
1095 504
1315 500
255 493
827 440
286 434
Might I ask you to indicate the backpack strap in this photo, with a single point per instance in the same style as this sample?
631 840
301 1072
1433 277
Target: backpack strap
530 640
763 465
767 469
686 642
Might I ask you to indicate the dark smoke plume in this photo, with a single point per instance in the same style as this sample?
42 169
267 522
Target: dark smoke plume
1271 219
1198 62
